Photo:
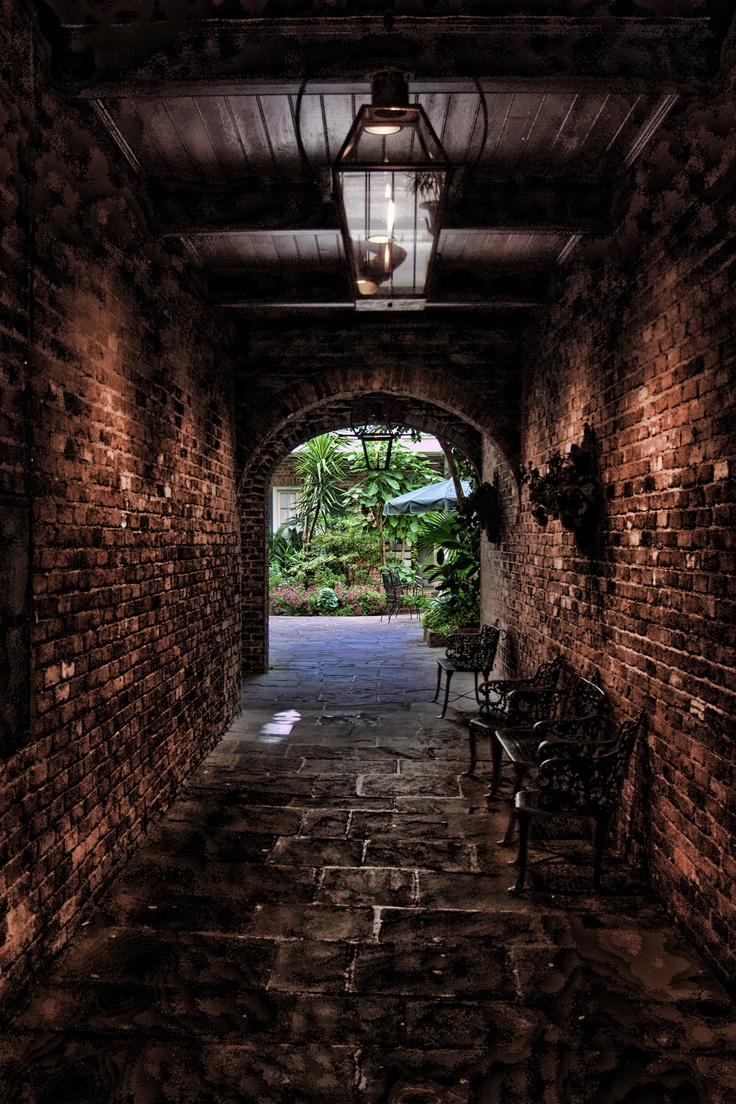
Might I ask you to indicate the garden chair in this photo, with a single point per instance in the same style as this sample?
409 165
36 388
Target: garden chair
576 780
395 592
474 652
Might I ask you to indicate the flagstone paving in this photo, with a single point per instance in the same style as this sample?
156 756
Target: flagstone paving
323 916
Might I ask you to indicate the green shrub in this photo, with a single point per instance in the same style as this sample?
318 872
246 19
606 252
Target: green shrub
275 575
444 616
327 600
346 548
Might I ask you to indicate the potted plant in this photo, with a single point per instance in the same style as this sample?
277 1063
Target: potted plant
455 538
569 490
428 187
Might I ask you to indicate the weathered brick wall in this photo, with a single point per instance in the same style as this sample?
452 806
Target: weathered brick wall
134 647
285 474
642 346
15 537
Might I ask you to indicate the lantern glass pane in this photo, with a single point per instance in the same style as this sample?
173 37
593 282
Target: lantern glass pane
390 228
410 139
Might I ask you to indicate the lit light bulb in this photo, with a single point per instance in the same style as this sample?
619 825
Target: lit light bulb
367 287
382 130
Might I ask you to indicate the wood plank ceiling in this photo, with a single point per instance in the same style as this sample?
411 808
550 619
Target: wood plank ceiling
541 118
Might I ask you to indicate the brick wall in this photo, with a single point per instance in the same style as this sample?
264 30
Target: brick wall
128 418
642 346
15 508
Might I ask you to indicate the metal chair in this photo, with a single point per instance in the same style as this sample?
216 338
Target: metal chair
474 652
577 781
395 591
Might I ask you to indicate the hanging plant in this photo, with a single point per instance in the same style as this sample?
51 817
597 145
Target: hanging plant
569 490
427 185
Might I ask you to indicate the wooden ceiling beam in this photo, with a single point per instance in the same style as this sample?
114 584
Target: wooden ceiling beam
498 303
125 59
253 205
568 205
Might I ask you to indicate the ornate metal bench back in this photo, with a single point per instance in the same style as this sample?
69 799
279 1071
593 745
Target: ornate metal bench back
550 675
589 784
584 697
473 651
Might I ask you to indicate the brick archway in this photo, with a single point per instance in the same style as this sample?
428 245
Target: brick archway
281 430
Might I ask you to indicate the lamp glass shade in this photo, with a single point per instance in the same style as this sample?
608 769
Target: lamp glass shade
390 180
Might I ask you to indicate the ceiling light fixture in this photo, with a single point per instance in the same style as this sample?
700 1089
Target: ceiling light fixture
390 180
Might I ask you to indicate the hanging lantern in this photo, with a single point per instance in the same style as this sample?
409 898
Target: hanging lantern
376 421
390 181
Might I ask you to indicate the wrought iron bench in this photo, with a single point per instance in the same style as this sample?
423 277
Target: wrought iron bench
577 780
578 710
496 700
474 652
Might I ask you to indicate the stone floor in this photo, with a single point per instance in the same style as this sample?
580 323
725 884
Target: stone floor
323 917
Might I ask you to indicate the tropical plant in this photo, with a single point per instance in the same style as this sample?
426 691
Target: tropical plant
455 539
321 466
441 617
427 184
275 575
284 547
407 471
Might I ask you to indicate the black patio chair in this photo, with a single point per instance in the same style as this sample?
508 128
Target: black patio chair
395 592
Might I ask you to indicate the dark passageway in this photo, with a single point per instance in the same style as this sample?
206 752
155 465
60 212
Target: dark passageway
205 248
323 916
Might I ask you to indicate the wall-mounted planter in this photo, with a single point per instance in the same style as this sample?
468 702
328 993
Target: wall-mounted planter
571 491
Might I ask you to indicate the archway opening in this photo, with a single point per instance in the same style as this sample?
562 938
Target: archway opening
427 416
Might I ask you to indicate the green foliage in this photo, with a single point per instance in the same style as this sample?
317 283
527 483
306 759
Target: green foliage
346 546
321 467
314 571
327 600
284 548
441 617
407 471
456 541
336 555
275 575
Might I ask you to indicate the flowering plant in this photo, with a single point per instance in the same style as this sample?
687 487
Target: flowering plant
351 601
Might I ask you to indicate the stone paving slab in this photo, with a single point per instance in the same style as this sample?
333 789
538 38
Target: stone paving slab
323 916
282 921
